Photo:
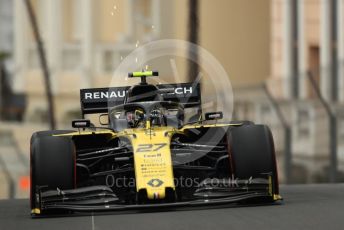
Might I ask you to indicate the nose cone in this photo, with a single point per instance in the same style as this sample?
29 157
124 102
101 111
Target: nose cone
153 163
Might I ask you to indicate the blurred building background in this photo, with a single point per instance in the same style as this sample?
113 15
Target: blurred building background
272 43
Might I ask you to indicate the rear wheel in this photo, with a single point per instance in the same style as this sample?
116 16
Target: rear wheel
252 153
52 161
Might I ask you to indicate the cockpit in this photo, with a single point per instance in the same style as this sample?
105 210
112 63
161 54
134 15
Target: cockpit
146 114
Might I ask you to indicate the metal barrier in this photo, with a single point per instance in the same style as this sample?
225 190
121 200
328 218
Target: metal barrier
305 129
10 171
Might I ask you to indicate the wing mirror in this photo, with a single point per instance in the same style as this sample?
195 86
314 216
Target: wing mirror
213 116
81 123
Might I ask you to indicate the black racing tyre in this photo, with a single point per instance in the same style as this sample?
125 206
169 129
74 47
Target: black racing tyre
243 122
52 163
48 133
253 153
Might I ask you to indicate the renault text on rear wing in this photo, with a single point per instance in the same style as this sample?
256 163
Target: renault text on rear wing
98 100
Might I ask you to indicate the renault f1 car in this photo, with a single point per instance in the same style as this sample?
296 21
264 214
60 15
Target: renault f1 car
147 154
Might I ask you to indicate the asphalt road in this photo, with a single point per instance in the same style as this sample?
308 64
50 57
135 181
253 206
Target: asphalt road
304 207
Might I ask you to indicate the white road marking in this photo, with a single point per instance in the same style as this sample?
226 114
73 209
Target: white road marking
92 219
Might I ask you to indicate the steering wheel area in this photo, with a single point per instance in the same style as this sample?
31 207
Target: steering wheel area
136 115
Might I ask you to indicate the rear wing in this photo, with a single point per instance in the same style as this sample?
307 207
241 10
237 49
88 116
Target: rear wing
98 100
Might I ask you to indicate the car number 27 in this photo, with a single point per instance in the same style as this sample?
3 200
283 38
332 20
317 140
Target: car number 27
150 147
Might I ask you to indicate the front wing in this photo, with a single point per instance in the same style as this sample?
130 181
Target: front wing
102 198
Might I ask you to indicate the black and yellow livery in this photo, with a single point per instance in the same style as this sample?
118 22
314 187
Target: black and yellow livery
150 154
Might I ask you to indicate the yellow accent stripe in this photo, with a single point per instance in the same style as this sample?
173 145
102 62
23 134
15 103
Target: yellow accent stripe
148 124
142 74
76 133
277 197
207 126
36 211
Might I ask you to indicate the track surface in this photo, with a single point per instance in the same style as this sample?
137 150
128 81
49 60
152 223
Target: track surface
304 207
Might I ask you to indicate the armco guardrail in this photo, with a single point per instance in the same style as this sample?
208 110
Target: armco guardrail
13 164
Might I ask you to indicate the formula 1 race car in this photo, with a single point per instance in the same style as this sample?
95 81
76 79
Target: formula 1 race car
147 154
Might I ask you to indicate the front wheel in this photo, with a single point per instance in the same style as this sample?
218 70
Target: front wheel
253 153
52 164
